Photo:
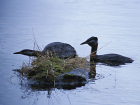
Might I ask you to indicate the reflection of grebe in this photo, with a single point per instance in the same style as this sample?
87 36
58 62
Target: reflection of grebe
62 50
109 59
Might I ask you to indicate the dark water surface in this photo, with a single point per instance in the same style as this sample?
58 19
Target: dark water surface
71 21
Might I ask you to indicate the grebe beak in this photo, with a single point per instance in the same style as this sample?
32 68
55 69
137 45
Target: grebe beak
84 43
17 53
91 43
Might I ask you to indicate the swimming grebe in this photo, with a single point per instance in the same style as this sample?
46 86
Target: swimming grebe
61 50
109 59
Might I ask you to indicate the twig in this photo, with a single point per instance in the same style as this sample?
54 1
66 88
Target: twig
35 42
99 49
104 45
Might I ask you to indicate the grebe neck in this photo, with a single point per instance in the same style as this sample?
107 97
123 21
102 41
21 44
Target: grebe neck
93 52
92 72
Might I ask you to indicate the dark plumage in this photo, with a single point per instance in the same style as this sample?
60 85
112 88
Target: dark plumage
113 59
109 59
59 49
62 50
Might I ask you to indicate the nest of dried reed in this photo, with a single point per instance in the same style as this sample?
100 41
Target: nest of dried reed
48 68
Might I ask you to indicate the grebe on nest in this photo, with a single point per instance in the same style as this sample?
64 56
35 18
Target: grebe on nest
61 50
109 59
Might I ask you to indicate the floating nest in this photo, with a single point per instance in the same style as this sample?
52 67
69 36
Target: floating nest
48 68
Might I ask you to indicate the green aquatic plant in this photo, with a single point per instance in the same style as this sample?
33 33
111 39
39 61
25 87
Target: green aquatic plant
48 68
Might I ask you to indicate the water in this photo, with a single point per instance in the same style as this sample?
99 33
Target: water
115 22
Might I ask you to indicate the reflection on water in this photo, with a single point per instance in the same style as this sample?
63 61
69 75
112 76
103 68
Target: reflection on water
36 90
71 22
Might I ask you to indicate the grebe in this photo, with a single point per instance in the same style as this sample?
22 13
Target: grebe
109 59
61 50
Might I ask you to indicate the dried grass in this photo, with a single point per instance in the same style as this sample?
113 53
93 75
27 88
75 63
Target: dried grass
47 68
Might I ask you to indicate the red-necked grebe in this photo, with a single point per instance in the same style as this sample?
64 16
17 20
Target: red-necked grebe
62 50
109 59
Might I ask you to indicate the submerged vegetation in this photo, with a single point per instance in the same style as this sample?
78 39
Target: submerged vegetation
48 68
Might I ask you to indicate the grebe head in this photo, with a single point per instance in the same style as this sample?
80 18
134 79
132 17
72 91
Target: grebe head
92 41
26 52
